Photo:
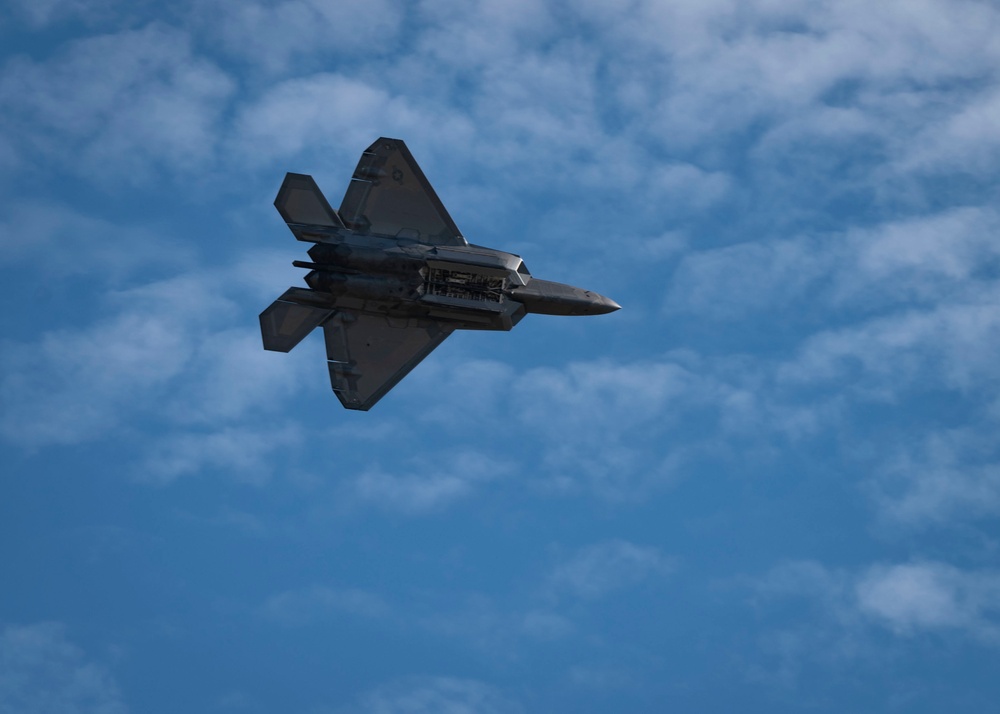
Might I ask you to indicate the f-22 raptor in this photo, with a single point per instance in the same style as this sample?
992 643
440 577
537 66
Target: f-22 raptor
391 276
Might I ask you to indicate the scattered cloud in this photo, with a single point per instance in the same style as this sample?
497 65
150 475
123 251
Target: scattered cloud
946 347
42 672
480 621
114 106
76 385
165 350
274 35
307 606
312 112
431 485
590 574
331 112
914 599
803 165
942 257
436 695
818 173
42 13
230 376
846 625
943 478
921 597
600 569
74 244
961 141
244 454
595 423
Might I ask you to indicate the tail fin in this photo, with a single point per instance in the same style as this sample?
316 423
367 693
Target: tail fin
287 321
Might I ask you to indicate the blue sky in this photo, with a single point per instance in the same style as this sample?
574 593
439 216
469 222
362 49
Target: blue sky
770 483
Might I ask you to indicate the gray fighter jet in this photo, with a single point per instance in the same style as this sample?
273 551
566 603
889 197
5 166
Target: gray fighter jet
390 277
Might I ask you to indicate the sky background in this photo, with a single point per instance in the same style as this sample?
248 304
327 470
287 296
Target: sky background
770 483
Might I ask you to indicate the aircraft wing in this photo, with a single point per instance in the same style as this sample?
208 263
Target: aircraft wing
369 354
389 195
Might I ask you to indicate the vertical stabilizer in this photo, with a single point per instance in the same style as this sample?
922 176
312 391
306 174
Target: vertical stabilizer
301 203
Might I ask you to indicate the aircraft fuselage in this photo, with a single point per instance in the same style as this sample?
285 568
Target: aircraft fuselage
391 277
471 286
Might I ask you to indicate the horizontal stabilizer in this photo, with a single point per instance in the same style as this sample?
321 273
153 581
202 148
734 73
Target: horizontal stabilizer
285 324
300 202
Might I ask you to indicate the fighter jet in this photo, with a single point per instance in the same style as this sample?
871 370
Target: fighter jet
391 276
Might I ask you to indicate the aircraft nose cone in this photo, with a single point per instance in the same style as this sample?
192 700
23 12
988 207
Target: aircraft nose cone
545 297
601 305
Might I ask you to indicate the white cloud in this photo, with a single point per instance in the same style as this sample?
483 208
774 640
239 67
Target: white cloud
600 569
956 134
791 52
543 625
599 420
42 13
168 351
333 112
916 299
75 385
276 34
802 578
114 106
477 620
75 244
924 259
842 620
307 606
930 597
316 111
507 86
588 575
483 382
242 453
924 256
732 282
230 375
595 426
482 32
41 672
944 477
595 423
828 632
908 599
430 485
411 493
585 398
950 346
436 695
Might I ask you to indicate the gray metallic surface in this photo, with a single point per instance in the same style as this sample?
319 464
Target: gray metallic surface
545 297
369 354
285 323
390 277
389 195
300 201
